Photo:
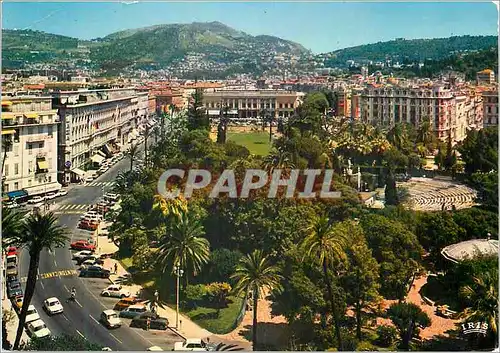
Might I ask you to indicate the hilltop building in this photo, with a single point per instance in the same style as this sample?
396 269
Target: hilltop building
490 107
486 76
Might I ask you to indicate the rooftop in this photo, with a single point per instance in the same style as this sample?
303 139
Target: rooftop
470 249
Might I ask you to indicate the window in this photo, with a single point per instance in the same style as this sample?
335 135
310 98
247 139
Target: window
49 130
30 149
49 178
40 145
6 170
30 131
29 183
40 129
16 169
16 186
30 166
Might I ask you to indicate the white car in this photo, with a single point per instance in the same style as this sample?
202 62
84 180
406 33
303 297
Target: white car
87 263
50 196
89 179
62 192
191 344
110 319
53 306
115 290
36 199
32 315
81 254
154 349
38 329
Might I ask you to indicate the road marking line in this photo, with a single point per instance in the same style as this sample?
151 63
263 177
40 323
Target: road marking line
55 262
41 283
115 338
64 316
80 334
76 301
93 318
66 287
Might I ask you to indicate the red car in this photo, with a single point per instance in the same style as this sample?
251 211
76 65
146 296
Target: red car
89 225
11 250
82 245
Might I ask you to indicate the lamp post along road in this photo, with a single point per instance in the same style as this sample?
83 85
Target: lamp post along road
178 272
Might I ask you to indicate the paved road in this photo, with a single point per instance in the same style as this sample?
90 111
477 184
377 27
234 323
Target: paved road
58 276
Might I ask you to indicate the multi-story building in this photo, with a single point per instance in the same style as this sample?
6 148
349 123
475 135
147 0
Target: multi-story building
95 122
388 105
29 136
245 104
486 76
490 108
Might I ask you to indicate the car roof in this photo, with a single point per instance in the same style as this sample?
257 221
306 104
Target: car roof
31 307
52 299
137 306
193 340
37 322
109 312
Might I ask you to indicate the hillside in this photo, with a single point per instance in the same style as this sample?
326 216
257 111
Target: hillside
178 47
409 51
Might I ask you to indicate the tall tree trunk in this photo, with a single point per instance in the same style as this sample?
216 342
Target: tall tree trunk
332 304
131 163
270 131
254 323
146 146
358 320
28 294
407 336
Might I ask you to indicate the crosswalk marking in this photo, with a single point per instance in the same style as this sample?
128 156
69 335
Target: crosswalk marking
72 207
101 183
53 274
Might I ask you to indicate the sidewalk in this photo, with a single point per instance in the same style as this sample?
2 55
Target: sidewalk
13 323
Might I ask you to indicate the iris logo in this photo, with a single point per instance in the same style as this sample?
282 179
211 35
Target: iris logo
475 327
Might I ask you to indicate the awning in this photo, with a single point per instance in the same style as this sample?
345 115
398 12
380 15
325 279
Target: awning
97 158
43 165
6 103
31 115
16 194
8 132
78 172
43 188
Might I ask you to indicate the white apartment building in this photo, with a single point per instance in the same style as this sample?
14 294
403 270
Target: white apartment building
29 130
96 123
490 108
486 76
388 105
249 103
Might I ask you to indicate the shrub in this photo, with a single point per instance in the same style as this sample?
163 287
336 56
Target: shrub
386 335
222 264
218 292
194 295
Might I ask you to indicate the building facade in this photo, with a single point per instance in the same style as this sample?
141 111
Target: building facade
490 108
29 133
244 104
95 122
486 76
388 105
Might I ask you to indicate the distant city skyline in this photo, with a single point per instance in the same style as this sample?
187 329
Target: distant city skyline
320 27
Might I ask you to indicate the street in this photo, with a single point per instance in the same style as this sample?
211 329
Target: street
58 275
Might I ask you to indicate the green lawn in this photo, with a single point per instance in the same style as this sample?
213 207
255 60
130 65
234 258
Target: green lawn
256 142
208 319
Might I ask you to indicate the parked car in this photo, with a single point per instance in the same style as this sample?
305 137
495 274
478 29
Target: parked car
95 271
11 259
191 344
110 319
62 192
126 302
82 245
38 329
89 214
11 278
50 196
96 218
35 200
17 302
89 179
156 322
90 260
53 306
82 254
32 314
115 290
133 311
88 224
11 269
11 204
154 349
14 289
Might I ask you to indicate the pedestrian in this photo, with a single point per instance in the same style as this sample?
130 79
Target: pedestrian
148 323
116 268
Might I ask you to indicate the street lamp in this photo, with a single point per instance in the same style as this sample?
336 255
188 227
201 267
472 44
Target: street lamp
178 272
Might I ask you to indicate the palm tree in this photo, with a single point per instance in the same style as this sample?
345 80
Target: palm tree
397 136
263 115
132 153
12 223
278 159
222 127
255 274
176 207
408 317
323 244
185 246
482 300
39 232
425 135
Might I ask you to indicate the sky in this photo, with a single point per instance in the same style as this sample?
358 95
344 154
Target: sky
318 26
